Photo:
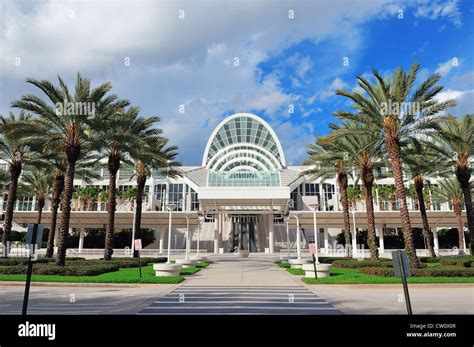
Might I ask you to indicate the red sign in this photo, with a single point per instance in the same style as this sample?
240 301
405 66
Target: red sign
138 244
312 248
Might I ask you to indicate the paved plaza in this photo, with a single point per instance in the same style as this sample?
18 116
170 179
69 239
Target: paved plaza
233 285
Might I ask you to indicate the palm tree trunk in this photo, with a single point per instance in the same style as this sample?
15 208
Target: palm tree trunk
418 182
40 210
15 171
342 180
58 186
458 211
66 212
141 180
368 180
113 166
463 177
394 152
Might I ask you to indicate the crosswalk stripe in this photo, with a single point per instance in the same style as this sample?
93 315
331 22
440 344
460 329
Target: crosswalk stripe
189 299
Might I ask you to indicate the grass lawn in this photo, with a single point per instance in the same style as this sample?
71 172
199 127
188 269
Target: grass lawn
127 275
189 271
353 276
299 272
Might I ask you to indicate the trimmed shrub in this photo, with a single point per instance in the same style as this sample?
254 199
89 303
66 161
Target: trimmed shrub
22 261
50 269
356 264
436 271
428 260
457 261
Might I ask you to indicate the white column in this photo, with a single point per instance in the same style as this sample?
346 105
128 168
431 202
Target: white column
81 240
271 234
217 228
162 239
435 239
377 203
188 237
298 236
381 240
326 240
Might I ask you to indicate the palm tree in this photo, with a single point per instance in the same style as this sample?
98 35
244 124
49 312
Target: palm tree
398 112
117 139
15 151
56 163
67 125
419 163
40 182
449 190
327 158
455 146
152 155
364 152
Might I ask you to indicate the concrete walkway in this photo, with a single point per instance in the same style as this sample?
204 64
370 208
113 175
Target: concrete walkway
234 285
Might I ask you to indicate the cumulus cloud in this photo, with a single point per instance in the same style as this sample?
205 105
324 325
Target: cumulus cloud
446 67
180 53
434 9
464 100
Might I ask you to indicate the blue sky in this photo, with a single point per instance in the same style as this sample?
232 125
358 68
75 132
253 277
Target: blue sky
283 63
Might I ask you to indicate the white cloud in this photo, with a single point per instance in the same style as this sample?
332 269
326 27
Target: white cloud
175 61
434 9
464 100
444 68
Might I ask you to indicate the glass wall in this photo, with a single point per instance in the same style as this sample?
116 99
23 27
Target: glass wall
244 179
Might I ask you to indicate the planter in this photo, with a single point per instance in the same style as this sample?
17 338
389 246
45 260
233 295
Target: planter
186 263
298 263
167 269
244 253
286 258
323 270
200 258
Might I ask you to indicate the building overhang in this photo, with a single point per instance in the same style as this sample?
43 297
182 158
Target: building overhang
244 199
334 219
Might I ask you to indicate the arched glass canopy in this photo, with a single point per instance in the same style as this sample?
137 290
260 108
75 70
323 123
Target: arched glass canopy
245 143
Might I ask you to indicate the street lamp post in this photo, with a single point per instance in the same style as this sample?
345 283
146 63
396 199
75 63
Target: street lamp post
133 229
170 208
298 236
314 206
287 222
354 238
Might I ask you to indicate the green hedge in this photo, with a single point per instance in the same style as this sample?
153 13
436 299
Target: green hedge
436 271
456 261
51 269
356 264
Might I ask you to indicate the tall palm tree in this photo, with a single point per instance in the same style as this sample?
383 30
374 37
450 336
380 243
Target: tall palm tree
365 153
117 139
455 146
325 159
399 112
14 149
419 163
56 163
39 181
66 125
449 190
153 155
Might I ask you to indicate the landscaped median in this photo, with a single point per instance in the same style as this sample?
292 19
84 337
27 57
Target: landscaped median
78 270
353 271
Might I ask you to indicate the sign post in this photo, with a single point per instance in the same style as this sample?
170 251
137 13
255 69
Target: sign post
312 250
138 248
33 240
402 269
